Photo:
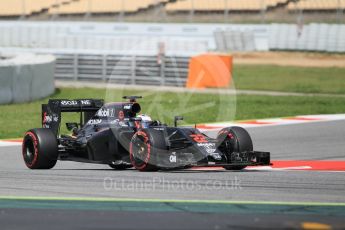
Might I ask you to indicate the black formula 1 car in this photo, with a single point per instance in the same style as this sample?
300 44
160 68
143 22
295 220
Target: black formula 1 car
113 134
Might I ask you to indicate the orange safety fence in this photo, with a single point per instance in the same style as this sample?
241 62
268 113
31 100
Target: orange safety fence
210 71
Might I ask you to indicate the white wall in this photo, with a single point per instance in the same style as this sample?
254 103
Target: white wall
312 37
179 39
138 38
26 77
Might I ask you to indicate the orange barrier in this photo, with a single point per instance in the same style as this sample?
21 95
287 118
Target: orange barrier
210 70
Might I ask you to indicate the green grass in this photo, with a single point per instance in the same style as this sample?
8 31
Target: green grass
249 107
16 119
290 79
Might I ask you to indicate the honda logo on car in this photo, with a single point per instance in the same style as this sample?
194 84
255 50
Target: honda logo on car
69 103
95 122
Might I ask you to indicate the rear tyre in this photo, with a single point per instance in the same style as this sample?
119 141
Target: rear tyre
234 139
40 149
142 151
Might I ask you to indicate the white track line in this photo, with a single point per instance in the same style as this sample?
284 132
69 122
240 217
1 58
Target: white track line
269 168
9 143
274 121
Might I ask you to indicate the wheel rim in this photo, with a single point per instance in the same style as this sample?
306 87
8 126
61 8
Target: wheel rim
140 150
229 143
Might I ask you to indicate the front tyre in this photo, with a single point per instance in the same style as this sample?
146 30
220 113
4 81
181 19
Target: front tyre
234 139
40 149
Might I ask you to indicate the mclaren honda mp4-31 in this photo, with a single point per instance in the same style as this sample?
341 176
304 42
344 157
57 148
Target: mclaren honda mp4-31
117 134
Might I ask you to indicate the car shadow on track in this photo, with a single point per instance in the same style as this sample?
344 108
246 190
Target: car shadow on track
184 171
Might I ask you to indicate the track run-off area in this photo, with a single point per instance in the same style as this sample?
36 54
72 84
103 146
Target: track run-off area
303 189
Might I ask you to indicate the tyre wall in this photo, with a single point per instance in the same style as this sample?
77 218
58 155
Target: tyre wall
25 78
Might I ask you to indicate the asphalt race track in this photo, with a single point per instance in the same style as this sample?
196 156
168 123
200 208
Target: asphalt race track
247 199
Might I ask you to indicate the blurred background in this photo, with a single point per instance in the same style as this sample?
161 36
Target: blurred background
222 11
97 34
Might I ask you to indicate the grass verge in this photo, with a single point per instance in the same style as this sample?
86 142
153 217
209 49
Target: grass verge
290 79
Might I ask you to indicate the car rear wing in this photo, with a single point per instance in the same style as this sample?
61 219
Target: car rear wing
51 112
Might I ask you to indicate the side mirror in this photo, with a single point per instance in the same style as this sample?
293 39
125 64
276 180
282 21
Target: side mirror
177 118
71 126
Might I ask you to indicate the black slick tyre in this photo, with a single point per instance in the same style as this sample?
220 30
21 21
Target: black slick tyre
234 139
40 149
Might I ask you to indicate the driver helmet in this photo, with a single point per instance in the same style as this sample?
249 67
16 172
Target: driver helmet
145 120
